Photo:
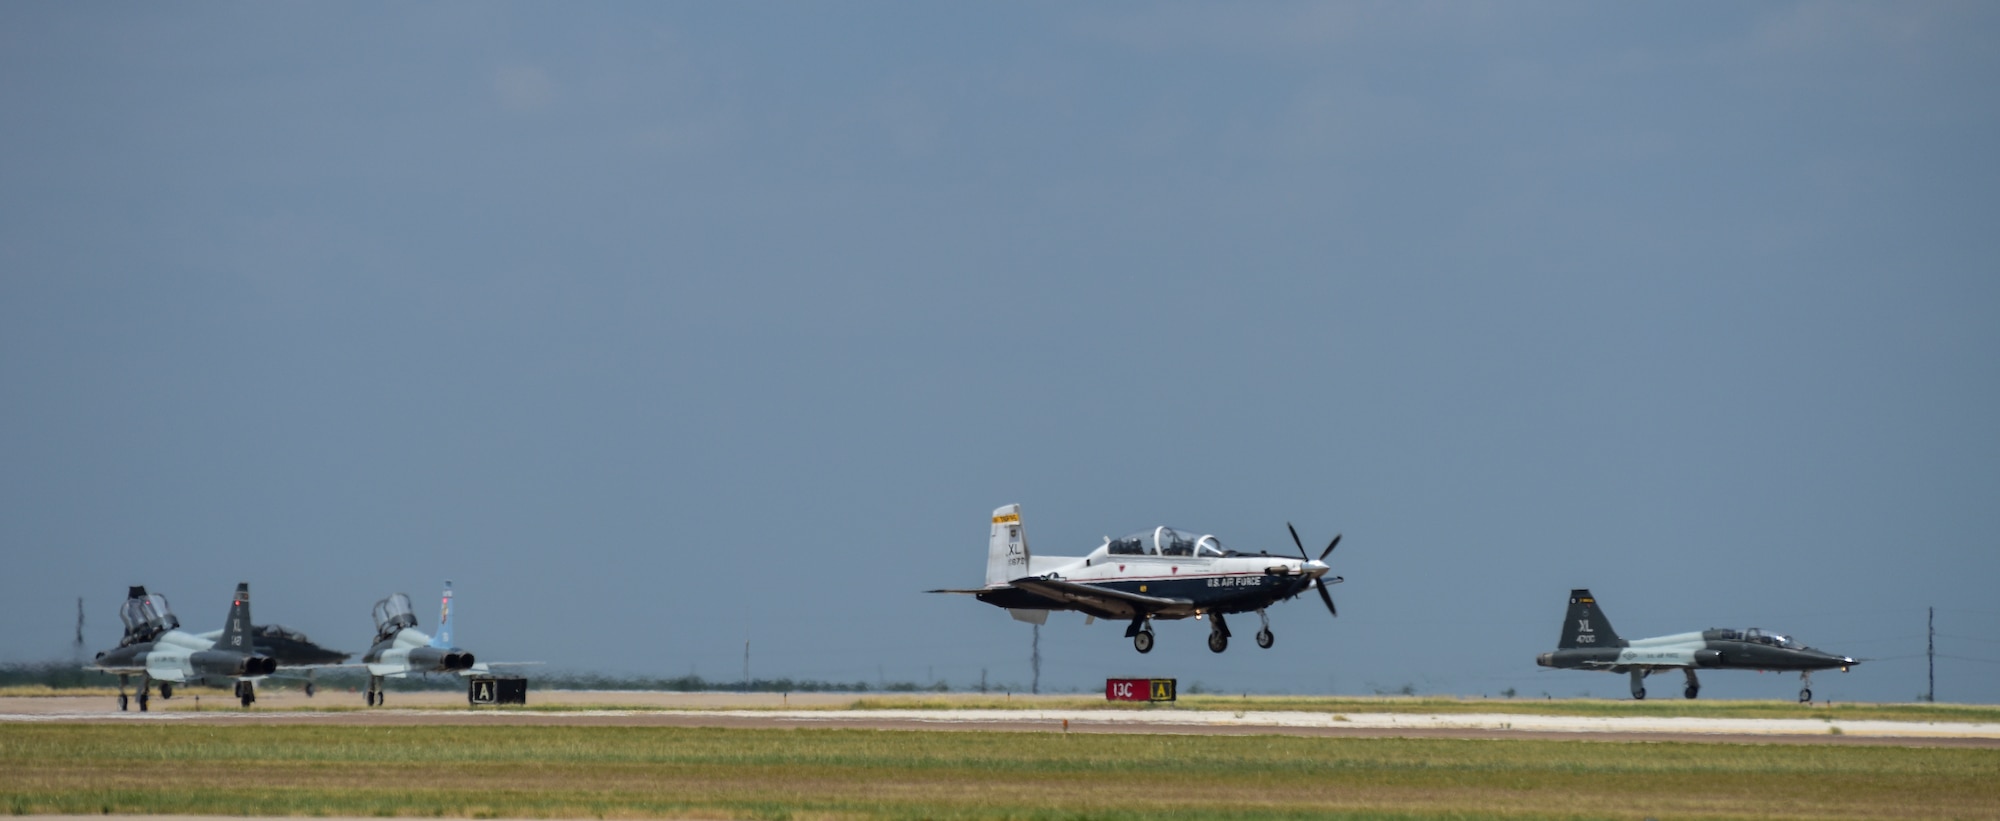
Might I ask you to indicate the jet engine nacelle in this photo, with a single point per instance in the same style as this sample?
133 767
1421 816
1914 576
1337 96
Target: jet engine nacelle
1708 658
431 658
225 663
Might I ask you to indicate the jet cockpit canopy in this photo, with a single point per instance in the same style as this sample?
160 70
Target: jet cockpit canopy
393 614
1166 541
146 616
279 631
1774 639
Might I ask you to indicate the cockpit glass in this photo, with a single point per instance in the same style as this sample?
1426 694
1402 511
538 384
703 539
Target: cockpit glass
148 614
1164 541
279 631
394 613
1773 639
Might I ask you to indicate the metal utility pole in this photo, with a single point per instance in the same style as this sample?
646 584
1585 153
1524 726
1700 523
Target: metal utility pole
1035 660
79 628
1930 652
746 665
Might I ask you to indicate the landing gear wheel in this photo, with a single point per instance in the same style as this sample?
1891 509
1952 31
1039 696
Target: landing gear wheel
142 702
1142 641
1217 642
309 689
1691 691
371 698
1805 696
1265 639
247 699
166 690
1639 694
122 702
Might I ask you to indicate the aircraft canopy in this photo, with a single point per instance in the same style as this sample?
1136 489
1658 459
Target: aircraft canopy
146 616
393 614
1166 541
279 631
1773 639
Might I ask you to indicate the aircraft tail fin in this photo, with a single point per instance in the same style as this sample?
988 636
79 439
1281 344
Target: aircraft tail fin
1585 625
1007 548
442 638
236 629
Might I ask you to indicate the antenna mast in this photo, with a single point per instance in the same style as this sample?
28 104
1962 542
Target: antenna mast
1930 652
1036 661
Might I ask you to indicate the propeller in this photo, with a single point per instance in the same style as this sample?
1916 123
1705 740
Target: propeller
1319 583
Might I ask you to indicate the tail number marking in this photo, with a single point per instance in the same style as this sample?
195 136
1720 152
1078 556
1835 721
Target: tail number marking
1584 635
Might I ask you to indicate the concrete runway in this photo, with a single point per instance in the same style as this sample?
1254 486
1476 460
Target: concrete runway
773 710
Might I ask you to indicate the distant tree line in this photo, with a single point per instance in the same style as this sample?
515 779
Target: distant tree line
64 675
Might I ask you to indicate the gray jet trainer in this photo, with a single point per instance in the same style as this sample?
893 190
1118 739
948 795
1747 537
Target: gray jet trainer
155 648
1589 643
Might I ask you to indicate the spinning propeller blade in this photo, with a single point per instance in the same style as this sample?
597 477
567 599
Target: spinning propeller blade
1318 584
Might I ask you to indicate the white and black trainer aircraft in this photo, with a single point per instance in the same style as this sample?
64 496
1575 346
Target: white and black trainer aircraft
1160 573
1589 643
154 648
400 649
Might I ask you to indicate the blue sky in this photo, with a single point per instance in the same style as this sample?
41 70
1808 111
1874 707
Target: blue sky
666 328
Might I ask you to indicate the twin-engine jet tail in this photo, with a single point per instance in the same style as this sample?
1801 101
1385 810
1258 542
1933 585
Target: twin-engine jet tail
1007 548
1586 626
236 630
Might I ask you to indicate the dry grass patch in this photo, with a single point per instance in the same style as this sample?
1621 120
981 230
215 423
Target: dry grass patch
573 772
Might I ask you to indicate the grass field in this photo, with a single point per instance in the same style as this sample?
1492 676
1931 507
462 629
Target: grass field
1448 705
633 772
1331 705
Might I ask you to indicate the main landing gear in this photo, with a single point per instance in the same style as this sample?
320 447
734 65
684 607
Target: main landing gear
1639 684
375 685
246 693
145 685
1218 633
1694 684
1264 637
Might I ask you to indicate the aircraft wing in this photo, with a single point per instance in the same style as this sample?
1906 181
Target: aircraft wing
1103 602
486 668
1626 667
